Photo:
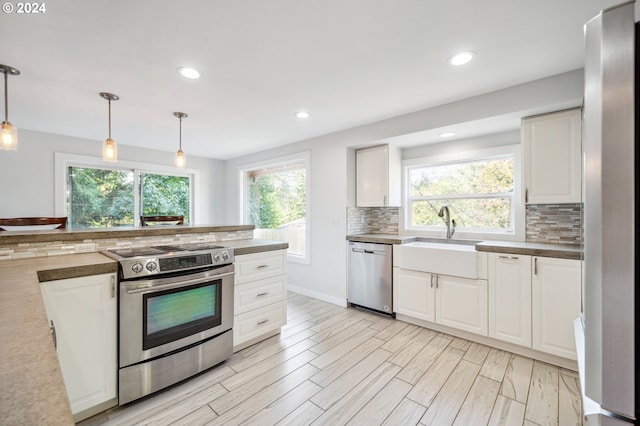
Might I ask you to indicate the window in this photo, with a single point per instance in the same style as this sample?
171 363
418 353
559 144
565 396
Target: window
276 201
96 196
480 191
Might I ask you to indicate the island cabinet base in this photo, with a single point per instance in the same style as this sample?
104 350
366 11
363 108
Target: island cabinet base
260 297
499 344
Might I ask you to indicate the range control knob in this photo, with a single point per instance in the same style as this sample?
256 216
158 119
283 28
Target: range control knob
216 257
136 267
225 255
151 266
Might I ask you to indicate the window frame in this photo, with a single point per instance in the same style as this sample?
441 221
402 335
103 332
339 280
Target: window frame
517 211
301 157
63 161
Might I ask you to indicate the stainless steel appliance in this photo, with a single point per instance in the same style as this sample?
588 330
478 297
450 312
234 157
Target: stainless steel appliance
175 314
369 272
606 336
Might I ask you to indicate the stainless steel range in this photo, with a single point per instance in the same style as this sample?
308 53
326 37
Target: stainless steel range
175 314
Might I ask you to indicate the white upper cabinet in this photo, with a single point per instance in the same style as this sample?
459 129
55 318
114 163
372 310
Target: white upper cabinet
378 176
552 157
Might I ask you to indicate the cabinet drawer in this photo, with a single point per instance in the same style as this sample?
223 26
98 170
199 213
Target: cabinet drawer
258 322
252 267
261 293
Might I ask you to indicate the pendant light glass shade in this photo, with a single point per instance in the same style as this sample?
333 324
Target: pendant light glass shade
181 160
110 147
8 132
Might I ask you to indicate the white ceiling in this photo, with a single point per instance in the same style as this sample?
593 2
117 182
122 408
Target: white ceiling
347 62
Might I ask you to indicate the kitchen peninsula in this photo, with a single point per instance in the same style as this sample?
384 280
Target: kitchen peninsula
33 388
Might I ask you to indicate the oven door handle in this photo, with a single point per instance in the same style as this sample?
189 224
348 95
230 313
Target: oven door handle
151 288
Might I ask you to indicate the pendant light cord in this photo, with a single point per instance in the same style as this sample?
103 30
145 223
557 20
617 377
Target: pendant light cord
109 118
6 97
180 134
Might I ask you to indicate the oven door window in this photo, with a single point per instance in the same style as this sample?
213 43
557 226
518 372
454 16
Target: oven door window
170 315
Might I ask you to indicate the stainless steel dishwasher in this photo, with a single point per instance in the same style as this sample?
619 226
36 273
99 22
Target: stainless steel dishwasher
369 273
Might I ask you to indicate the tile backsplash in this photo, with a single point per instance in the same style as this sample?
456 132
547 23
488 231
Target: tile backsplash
554 223
373 220
54 248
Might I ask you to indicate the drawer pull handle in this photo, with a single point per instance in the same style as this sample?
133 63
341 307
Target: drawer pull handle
53 335
263 321
509 257
262 266
262 294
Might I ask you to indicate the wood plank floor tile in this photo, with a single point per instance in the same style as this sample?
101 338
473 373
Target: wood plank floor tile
477 353
305 415
334 365
542 404
392 330
200 417
406 353
507 412
340 337
349 405
261 381
517 378
413 371
383 404
477 406
400 339
406 413
445 406
426 389
342 365
495 364
337 389
284 406
569 400
459 343
248 408
343 348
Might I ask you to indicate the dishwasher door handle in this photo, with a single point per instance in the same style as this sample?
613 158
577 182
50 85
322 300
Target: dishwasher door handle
365 251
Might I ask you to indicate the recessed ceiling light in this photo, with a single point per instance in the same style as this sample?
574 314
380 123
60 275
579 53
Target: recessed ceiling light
447 134
302 114
461 58
187 72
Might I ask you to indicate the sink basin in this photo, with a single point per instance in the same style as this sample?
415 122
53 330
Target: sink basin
457 258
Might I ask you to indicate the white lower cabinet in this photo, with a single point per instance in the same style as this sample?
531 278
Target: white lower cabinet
260 296
510 298
452 301
534 300
83 312
556 293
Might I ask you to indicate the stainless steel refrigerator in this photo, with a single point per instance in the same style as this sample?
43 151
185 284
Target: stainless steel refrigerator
606 333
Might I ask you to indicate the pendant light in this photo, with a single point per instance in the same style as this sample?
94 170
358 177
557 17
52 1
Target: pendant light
110 147
181 161
8 132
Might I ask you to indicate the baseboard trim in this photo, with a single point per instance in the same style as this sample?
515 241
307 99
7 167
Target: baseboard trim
317 295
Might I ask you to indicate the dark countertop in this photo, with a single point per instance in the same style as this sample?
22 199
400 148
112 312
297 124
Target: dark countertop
561 251
33 390
16 237
254 245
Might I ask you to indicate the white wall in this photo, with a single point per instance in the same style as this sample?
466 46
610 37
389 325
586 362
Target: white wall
27 175
333 177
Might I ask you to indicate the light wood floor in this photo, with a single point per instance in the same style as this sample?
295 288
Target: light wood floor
334 366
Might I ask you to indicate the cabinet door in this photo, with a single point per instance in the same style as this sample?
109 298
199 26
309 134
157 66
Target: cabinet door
372 177
462 303
83 311
556 291
510 298
413 294
552 157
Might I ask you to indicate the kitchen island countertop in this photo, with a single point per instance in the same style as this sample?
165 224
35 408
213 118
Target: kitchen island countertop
33 389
